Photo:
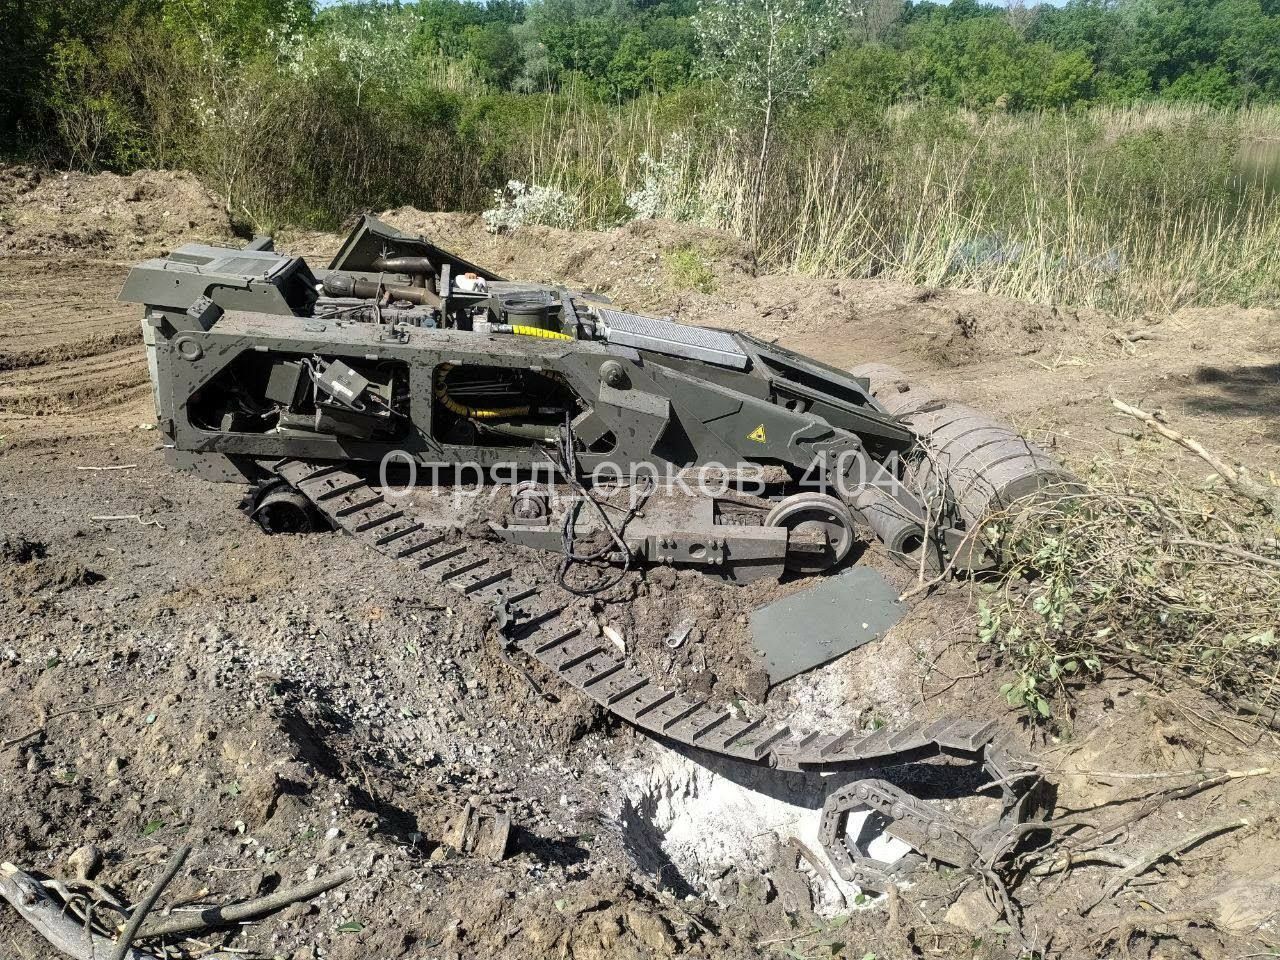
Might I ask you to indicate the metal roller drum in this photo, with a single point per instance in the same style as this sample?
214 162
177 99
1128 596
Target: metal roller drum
987 464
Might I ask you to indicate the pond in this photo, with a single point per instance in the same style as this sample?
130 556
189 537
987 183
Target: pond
1258 165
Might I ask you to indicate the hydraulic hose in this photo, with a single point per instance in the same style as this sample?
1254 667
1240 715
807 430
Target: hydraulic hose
472 413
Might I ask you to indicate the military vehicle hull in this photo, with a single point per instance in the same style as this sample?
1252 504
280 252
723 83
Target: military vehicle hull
624 440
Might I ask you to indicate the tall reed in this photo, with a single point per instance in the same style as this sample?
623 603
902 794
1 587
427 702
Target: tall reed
1131 211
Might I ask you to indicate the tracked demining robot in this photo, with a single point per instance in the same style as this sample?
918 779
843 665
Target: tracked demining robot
625 442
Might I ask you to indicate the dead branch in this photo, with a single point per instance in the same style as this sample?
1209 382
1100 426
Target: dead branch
1146 923
27 896
123 466
1157 775
819 866
1230 551
148 903
214 917
1101 835
1145 863
1070 862
1238 481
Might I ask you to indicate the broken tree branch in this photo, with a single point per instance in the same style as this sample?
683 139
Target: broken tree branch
14 741
1145 863
148 903
214 917
1237 480
26 895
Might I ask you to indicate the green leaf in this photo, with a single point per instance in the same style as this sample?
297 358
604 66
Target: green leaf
351 926
153 826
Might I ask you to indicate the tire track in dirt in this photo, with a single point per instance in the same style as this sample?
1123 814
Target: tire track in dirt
75 386
66 346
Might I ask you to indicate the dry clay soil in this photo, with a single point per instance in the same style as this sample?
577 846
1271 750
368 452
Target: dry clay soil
291 706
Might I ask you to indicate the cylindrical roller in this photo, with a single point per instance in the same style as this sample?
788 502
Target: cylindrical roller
418 268
897 528
986 464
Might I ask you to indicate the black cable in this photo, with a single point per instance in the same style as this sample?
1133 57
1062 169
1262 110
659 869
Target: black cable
568 536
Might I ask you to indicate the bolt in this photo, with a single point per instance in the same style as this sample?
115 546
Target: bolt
612 373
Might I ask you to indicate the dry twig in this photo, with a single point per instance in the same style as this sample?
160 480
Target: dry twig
214 917
1149 860
1240 482
110 518
26 895
148 903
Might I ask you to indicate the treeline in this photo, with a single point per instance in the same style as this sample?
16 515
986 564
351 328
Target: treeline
1084 154
84 80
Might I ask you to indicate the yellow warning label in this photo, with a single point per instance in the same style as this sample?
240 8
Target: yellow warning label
758 435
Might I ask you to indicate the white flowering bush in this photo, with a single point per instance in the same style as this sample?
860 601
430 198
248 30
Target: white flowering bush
646 203
684 185
520 204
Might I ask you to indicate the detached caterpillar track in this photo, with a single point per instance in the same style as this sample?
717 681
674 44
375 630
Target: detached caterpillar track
540 625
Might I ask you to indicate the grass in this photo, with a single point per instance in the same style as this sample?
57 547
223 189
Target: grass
1130 211
689 269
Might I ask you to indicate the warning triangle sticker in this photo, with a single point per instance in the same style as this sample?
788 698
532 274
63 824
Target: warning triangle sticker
758 435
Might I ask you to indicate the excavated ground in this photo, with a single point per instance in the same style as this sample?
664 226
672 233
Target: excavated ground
289 706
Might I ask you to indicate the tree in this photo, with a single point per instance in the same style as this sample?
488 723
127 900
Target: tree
763 52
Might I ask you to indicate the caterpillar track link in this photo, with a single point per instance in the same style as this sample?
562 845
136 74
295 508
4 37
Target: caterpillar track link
534 619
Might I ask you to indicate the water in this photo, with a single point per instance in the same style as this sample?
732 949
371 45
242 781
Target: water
1257 165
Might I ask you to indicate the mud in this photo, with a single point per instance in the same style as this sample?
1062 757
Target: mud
294 705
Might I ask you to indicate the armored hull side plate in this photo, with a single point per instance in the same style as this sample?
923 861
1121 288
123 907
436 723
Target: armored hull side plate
673 339
817 625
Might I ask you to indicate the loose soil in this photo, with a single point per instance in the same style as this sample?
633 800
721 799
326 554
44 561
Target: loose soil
294 705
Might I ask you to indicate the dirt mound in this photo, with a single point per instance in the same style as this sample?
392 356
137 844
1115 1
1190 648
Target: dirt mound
643 265
104 215
708 277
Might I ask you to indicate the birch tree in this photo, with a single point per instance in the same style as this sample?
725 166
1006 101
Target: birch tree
763 53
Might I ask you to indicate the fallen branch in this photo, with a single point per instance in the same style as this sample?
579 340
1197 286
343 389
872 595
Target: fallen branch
1230 551
1238 481
1101 835
123 466
1145 863
1146 923
26 895
1069 862
214 917
148 903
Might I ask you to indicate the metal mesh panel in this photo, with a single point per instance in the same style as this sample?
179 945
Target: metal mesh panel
673 339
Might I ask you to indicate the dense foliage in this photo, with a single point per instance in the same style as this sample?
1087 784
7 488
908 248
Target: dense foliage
1087 154
82 69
